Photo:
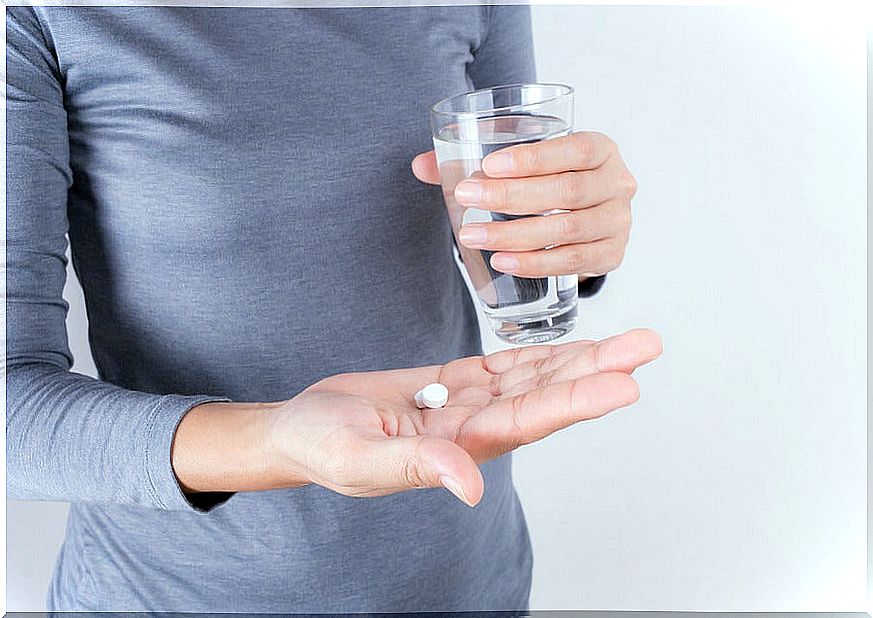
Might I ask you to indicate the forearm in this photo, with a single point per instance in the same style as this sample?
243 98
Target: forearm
74 438
229 447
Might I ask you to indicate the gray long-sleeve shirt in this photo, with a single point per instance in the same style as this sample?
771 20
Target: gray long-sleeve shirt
243 220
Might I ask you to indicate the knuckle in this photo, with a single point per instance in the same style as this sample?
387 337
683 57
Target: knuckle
528 157
496 385
579 259
584 146
607 142
570 226
497 193
627 185
498 236
410 469
570 189
529 265
578 398
544 364
545 369
516 432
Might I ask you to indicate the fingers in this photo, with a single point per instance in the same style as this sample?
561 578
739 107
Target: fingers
621 353
505 360
538 194
536 414
531 416
425 168
592 259
579 151
377 465
610 219
628 351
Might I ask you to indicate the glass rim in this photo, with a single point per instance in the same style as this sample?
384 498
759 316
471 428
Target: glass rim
566 91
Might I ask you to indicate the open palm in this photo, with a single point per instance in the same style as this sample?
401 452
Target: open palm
362 434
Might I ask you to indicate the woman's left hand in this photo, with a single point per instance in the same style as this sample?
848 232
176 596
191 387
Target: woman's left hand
582 173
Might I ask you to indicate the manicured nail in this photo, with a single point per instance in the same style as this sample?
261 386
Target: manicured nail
455 487
497 163
474 236
469 192
504 263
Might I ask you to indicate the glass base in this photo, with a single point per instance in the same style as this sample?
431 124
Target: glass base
537 330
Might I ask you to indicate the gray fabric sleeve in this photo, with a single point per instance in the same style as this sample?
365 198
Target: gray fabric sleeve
505 54
68 437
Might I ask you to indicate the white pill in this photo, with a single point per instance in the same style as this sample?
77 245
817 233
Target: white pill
418 401
435 395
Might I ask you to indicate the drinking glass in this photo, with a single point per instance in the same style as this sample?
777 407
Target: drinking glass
466 128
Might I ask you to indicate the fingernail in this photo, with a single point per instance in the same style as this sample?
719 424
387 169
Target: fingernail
497 163
455 487
474 236
504 263
468 192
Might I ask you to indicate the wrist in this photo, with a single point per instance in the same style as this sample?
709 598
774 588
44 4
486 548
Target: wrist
280 440
229 447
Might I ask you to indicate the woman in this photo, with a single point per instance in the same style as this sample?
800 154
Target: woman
241 216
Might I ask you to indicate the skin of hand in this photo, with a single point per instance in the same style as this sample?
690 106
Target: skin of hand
581 173
361 434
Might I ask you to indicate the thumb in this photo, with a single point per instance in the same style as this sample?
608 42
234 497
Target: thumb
424 461
425 168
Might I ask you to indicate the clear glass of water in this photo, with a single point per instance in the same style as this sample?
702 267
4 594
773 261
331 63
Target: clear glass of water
468 127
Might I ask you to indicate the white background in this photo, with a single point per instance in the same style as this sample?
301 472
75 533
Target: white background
738 481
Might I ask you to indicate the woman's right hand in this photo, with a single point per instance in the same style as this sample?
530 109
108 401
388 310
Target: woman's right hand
361 434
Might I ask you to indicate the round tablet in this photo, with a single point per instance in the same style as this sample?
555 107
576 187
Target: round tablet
435 395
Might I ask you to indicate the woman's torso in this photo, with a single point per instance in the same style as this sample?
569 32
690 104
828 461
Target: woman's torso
244 222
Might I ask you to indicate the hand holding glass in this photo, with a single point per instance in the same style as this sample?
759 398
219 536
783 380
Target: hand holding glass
468 127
